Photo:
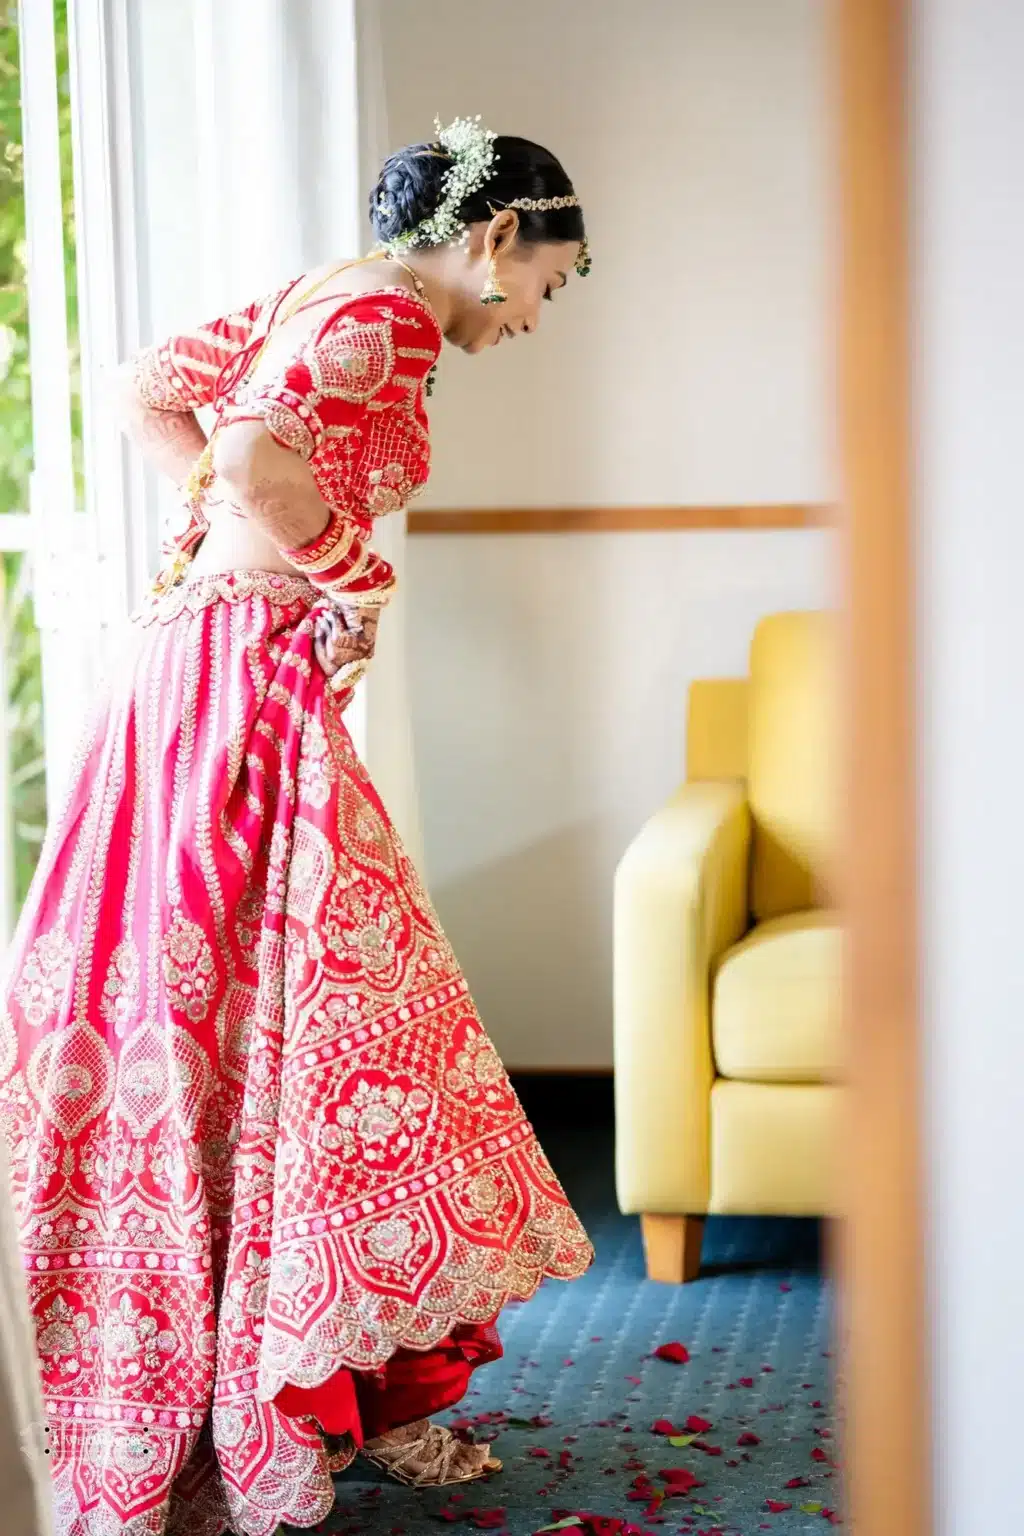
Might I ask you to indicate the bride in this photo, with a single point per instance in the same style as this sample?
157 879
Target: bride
273 1185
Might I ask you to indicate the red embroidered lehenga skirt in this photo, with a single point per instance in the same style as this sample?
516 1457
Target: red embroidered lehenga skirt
274 1186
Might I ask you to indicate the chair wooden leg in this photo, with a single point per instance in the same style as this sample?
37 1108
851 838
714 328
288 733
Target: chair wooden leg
672 1246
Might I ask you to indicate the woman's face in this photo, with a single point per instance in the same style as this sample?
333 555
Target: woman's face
530 275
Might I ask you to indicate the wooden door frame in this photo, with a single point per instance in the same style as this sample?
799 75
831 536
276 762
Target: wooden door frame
885 1386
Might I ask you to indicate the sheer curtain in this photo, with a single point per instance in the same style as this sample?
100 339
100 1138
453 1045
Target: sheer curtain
388 738
291 126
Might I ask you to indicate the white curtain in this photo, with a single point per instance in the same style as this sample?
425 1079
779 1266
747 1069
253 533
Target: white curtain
387 729
291 125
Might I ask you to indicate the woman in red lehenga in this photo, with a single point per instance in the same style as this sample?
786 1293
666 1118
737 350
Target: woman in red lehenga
273 1184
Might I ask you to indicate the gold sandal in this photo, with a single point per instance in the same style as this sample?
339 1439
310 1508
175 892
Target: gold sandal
437 1450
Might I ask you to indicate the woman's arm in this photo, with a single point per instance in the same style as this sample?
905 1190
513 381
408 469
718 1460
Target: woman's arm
271 484
157 392
170 440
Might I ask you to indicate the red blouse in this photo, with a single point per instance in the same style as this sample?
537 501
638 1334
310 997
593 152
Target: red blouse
350 401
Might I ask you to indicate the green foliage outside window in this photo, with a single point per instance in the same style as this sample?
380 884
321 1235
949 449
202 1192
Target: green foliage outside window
23 736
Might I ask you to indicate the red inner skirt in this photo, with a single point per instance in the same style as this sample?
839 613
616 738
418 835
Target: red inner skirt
412 1385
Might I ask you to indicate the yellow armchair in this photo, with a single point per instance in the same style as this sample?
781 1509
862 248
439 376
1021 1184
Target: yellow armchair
727 960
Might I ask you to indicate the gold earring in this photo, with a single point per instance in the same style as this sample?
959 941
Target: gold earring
492 291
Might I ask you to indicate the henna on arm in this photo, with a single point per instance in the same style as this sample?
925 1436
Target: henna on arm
170 439
272 485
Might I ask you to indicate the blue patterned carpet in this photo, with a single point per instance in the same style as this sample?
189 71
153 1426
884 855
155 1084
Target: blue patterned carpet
578 1360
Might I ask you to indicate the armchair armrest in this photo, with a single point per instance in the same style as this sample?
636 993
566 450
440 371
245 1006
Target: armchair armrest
680 902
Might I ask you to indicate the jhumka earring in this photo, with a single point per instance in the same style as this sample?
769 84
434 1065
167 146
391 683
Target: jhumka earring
492 292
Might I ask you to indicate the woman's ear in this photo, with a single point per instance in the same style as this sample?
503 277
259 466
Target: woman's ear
501 233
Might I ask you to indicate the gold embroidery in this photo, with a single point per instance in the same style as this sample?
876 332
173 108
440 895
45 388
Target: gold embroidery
353 361
71 1075
316 772
476 1072
121 990
379 1122
45 978
238 587
189 968
309 872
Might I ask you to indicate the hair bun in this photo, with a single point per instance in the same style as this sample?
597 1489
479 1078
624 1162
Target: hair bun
408 190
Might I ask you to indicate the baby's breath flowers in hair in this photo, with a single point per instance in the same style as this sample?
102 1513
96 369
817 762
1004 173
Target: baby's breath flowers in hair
472 157
471 148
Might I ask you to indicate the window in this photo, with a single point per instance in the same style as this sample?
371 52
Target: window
22 756
66 486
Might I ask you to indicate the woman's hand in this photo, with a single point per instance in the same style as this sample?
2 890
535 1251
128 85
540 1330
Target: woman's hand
345 637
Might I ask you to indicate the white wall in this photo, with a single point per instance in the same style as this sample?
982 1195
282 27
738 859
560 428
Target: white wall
549 673
969 127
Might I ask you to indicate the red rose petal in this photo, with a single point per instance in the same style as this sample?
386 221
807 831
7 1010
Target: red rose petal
746 1381
697 1426
675 1353
680 1480
487 1519
776 1506
748 1439
818 1454
799 1482
709 1450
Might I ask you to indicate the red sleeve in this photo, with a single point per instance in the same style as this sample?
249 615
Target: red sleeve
181 373
350 402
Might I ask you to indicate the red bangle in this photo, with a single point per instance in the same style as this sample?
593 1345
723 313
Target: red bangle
367 582
326 550
338 568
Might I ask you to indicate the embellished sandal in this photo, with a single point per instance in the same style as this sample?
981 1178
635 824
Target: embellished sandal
436 1450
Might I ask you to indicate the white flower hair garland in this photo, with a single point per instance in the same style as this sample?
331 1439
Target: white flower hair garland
471 148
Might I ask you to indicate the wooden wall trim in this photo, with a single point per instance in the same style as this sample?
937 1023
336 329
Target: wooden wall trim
887 1456
505 520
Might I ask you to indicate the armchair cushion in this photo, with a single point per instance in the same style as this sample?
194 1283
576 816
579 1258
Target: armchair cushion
777 1002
